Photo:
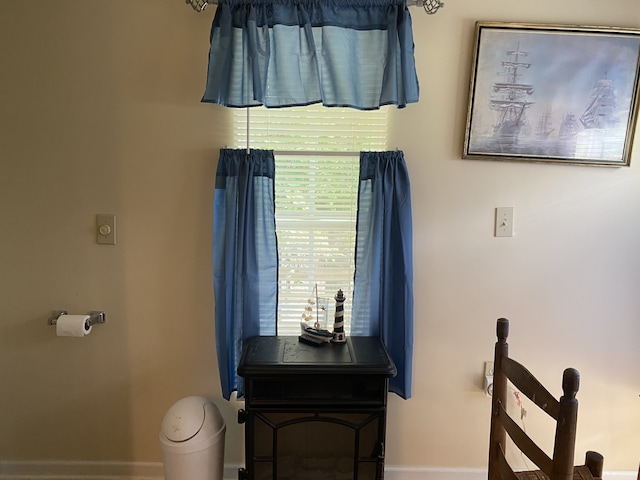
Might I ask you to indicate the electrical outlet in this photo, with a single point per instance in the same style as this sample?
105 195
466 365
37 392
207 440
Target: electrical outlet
488 369
488 379
106 229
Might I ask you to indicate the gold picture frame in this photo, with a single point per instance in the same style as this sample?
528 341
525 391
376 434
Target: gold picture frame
553 93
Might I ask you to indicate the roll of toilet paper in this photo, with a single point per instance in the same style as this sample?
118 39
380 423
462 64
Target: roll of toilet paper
73 326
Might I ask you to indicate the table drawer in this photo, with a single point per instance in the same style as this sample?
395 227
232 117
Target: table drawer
317 390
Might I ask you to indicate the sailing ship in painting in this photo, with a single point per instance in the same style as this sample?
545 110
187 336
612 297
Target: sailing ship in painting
511 99
544 129
569 126
600 112
602 136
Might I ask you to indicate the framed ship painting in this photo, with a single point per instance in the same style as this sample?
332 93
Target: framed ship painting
553 93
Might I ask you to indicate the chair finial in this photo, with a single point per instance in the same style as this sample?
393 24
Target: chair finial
570 382
502 329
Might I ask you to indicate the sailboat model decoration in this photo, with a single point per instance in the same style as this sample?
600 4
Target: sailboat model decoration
553 93
314 321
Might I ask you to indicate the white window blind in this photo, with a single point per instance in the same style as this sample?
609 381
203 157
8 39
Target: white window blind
316 189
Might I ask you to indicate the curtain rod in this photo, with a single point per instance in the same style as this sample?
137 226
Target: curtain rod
430 6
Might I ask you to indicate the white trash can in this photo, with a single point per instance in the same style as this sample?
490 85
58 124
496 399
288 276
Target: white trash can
192 439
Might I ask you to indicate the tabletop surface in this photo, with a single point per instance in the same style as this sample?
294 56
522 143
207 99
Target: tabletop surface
286 355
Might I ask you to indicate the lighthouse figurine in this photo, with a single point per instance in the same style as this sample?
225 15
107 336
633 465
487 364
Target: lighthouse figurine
338 321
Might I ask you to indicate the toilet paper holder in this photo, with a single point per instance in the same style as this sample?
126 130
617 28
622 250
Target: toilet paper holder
95 316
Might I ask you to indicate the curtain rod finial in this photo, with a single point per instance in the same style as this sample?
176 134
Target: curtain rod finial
431 6
197 5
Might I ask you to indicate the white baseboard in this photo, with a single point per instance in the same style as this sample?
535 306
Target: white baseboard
440 473
64 470
59 470
395 472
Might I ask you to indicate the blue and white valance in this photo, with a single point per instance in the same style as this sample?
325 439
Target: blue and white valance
279 53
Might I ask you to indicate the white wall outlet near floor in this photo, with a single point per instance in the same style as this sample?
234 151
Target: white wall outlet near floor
488 378
504 222
106 229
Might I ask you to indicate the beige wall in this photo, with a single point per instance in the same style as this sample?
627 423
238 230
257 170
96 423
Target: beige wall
100 113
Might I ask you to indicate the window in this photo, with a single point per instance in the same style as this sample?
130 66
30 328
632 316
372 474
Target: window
316 190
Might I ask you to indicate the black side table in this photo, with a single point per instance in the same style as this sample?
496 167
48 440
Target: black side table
314 412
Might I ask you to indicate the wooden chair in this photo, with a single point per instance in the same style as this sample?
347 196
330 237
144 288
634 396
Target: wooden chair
564 411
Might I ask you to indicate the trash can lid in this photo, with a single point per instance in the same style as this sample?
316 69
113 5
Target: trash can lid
185 419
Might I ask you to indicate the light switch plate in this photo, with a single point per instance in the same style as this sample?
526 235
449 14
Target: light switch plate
504 222
106 229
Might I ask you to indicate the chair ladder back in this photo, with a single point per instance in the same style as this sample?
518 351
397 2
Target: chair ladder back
564 411
529 385
524 443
